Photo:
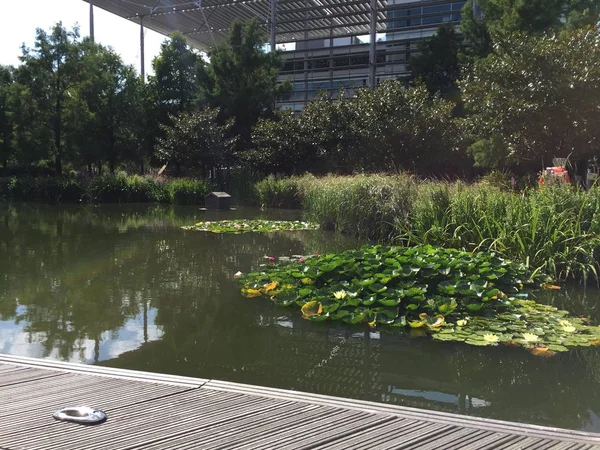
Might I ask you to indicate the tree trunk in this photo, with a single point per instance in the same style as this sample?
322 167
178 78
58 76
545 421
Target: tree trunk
112 156
57 131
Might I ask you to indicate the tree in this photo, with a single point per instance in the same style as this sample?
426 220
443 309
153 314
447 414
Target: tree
48 72
403 129
436 62
582 13
314 140
110 90
534 98
196 140
483 19
6 116
176 71
243 78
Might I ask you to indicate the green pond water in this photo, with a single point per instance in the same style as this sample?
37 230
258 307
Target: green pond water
125 286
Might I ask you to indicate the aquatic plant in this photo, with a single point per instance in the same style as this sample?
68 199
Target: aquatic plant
247 226
476 298
555 229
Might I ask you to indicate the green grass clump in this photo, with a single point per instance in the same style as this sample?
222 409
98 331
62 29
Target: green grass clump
188 191
283 193
44 189
111 188
122 188
555 229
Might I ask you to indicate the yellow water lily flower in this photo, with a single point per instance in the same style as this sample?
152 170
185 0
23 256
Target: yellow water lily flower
312 308
490 338
270 286
530 337
340 295
564 323
461 323
568 329
438 322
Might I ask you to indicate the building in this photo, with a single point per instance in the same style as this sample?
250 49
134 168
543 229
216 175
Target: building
325 44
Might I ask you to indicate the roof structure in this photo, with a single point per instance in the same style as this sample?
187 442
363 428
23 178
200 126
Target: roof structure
207 22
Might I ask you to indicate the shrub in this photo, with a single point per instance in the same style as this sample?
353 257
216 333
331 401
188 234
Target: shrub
186 191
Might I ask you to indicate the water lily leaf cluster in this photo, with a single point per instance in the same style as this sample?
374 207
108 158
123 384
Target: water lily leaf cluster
247 226
476 298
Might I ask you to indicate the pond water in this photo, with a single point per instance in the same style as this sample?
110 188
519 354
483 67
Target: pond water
124 286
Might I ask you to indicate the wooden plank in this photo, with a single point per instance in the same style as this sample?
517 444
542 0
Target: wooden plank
413 413
187 413
133 375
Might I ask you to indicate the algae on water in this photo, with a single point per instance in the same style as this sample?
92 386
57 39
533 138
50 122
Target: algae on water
476 298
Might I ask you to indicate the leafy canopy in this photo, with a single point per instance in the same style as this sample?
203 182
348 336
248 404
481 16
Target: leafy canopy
535 98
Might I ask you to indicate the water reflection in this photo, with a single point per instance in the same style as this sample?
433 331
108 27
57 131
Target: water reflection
125 287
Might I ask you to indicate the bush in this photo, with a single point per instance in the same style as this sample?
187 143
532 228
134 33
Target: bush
283 193
119 188
186 191
45 189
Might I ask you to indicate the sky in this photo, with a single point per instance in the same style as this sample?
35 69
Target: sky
20 18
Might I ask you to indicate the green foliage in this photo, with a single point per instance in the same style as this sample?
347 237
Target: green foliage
582 13
196 140
485 19
389 128
121 188
243 78
555 229
283 193
117 188
44 189
535 98
48 73
178 71
6 116
251 226
403 129
456 296
186 191
436 61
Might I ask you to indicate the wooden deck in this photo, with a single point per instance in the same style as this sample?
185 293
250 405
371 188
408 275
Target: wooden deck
153 411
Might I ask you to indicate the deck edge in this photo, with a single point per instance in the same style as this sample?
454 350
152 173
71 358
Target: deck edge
126 374
515 428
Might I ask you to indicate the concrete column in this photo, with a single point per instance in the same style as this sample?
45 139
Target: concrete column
142 50
273 25
92 20
373 47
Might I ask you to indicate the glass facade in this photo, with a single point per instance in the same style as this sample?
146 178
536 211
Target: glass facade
327 64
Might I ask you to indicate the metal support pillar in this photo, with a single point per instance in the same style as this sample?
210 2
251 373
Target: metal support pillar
273 25
142 50
373 47
92 20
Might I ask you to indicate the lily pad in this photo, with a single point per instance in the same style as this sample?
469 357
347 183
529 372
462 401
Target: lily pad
247 226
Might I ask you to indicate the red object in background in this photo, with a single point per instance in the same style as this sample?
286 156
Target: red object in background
554 174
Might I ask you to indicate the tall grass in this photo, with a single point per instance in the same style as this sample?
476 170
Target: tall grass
119 188
554 229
